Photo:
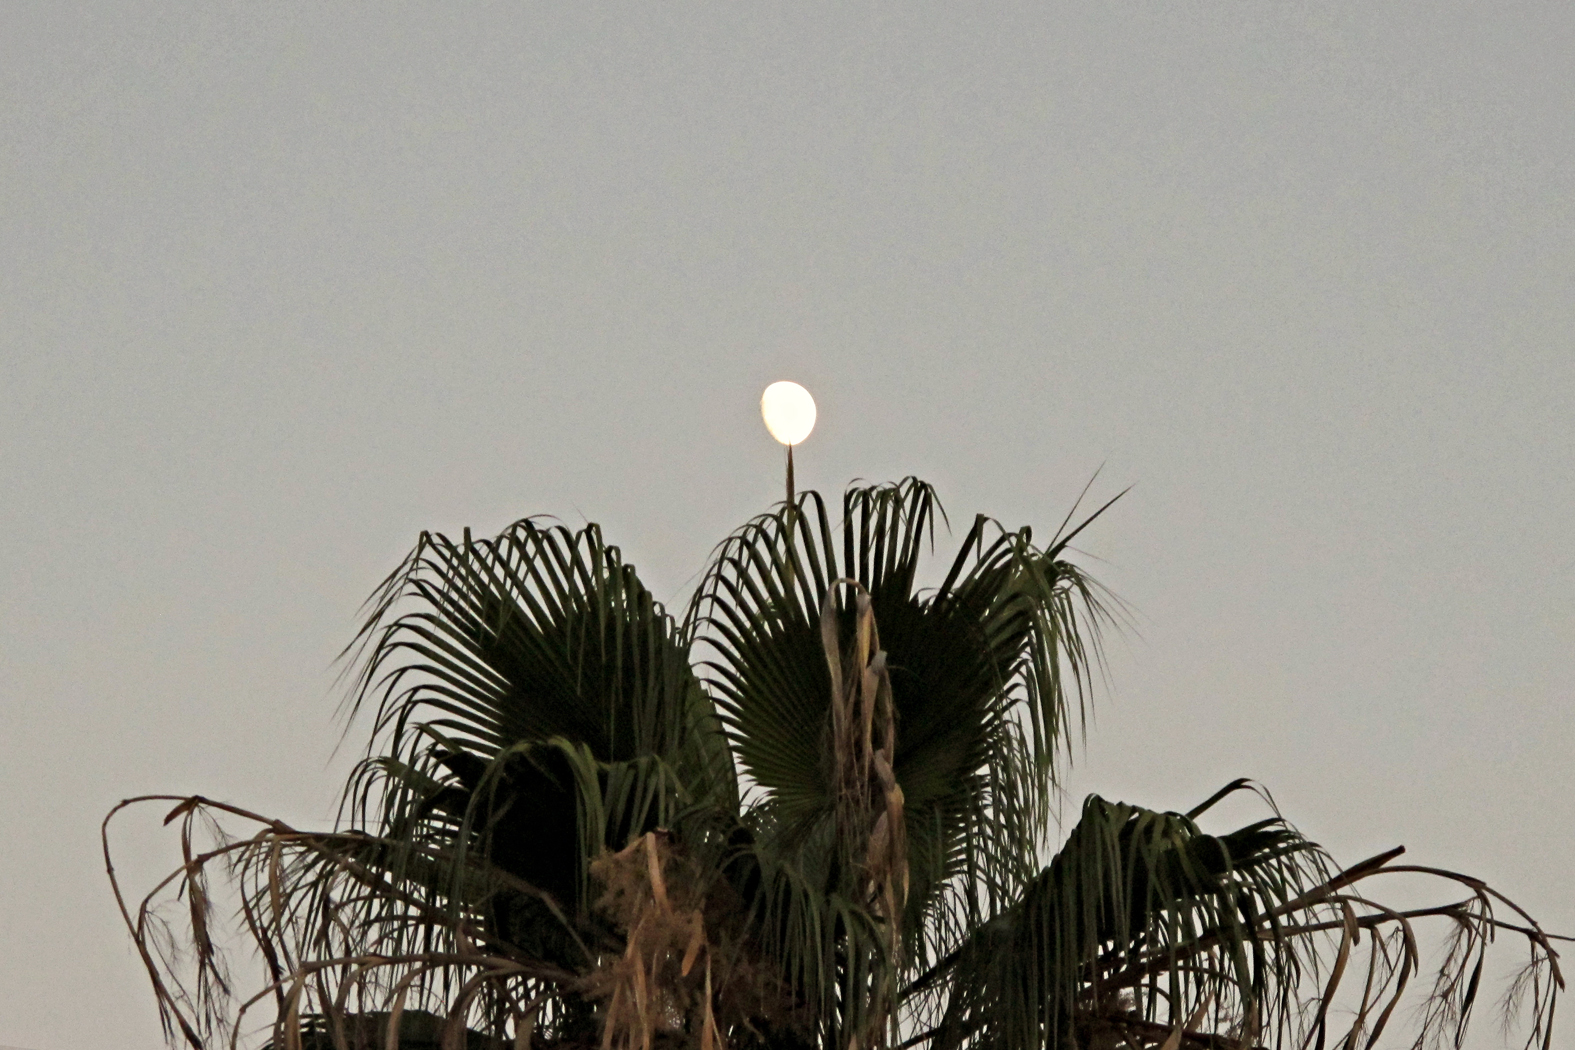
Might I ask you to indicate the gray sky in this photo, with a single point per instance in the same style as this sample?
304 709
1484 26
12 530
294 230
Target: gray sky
281 286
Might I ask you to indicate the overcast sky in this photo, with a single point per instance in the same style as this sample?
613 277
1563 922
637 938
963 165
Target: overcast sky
281 286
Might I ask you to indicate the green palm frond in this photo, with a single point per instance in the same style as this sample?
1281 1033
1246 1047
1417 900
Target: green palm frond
986 671
533 705
540 632
477 650
1139 915
1144 931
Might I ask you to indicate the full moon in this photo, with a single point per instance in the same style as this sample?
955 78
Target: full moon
789 412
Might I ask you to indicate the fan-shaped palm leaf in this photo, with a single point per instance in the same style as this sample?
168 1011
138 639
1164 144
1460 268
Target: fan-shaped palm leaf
480 652
985 671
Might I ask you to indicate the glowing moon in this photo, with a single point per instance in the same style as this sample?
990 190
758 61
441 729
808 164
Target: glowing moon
789 412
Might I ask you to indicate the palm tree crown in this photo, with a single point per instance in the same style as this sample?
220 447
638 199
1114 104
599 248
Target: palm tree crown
811 811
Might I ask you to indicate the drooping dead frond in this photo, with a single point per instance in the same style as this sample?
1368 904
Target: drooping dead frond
870 824
687 974
318 909
652 989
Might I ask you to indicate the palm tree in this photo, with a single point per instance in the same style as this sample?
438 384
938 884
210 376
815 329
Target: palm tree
811 812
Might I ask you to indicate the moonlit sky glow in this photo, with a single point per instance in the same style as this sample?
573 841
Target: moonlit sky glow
282 285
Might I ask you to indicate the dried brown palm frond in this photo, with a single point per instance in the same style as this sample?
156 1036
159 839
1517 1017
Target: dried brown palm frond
688 973
303 903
